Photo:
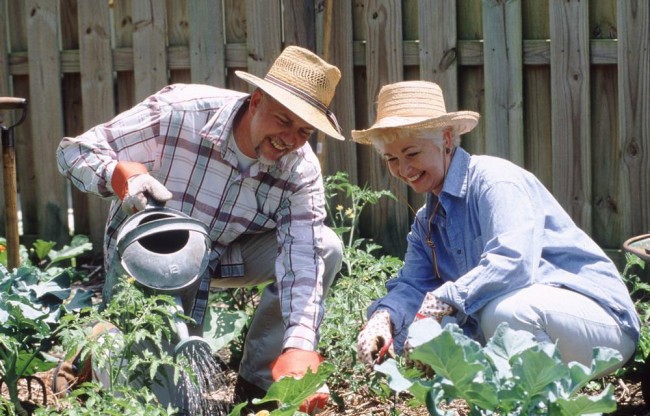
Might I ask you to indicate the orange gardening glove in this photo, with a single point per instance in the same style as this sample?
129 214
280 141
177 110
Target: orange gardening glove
132 183
294 363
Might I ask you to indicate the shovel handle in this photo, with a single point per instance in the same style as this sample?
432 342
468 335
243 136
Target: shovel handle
12 103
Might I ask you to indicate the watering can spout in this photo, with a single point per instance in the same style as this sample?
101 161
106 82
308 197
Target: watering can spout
185 341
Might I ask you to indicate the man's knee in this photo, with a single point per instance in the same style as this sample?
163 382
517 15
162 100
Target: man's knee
332 256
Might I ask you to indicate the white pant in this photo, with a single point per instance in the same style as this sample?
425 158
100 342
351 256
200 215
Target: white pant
575 322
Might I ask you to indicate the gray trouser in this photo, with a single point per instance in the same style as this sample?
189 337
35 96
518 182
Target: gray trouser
264 340
552 314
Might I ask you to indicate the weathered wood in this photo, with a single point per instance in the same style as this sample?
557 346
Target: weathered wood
605 144
503 117
149 47
537 96
45 105
264 35
570 109
207 43
634 114
299 19
178 34
5 91
96 90
342 156
123 28
438 49
384 66
236 35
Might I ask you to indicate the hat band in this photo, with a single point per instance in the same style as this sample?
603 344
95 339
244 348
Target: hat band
311 100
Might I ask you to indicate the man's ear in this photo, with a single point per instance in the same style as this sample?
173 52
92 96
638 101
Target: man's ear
448 136
256 99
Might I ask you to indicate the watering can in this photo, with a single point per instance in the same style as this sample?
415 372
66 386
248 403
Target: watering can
166 252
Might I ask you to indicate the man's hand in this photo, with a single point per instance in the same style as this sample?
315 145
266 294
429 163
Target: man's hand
294 363
133 185
375 337
434 308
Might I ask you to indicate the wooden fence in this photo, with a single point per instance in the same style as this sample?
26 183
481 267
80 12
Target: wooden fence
563 88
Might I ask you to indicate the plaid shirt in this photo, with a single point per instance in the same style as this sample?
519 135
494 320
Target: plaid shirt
183 134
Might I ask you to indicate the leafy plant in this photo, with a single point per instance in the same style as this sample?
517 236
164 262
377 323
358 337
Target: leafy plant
512 375
360 282
141 319
32 301
290 393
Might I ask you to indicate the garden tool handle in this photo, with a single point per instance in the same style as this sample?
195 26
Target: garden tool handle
10 183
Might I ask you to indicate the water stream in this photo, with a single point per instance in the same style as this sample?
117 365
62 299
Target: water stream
208 379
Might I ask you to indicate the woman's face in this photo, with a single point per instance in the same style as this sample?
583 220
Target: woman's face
417 162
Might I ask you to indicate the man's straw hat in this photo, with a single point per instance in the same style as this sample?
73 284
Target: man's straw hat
415 105
305 84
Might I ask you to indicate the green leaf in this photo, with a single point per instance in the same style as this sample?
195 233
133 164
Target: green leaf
536 373
78 245
396 381
291 392
582 405
506 343
42 248
222 326
82 299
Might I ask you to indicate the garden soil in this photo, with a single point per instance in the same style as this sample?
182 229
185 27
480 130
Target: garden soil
628 394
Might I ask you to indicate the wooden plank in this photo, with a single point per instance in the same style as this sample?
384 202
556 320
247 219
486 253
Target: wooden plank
96 90
5 91
342 156
634 114
178 34
470 75
123 32
23 133
606 146
149 47
264 36
236 35
438 49
47 118
299 17
503 117
537 95
385 66
207 43
570 114
72 110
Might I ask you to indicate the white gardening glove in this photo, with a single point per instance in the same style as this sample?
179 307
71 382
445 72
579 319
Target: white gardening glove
375 338
433 307
141 187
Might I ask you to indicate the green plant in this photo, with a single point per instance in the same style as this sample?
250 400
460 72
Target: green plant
32 300
360 282
512 374
133 357
635 274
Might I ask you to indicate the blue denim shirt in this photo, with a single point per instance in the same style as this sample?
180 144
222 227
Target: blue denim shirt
498 229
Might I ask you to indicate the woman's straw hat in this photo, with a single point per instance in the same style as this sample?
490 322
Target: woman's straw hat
415 105
305 84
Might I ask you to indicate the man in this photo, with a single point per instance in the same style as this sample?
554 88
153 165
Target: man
241 164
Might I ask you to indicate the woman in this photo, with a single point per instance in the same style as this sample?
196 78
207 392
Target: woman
490 245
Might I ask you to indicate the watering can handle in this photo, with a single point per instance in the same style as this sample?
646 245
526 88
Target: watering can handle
154 227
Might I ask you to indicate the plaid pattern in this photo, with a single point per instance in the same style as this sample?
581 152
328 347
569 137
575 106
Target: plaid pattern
183 134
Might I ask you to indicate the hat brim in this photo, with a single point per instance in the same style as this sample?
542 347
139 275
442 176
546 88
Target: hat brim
461 121
296 105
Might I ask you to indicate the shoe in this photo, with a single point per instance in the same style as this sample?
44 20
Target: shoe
245 391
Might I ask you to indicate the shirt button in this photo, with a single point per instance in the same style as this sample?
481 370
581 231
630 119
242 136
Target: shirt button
459 251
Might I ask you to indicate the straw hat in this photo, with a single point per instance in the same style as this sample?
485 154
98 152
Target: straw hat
415 105
305 84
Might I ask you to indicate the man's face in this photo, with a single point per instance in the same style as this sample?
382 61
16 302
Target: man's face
275 130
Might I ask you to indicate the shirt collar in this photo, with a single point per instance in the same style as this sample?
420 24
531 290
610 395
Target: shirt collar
456 181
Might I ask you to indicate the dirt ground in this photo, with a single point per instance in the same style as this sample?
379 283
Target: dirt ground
628 394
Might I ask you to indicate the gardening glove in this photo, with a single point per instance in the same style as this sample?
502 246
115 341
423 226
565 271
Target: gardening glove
294 362
375 338
133 184
433 307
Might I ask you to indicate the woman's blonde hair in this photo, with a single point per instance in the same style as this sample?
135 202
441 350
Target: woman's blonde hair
390 135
